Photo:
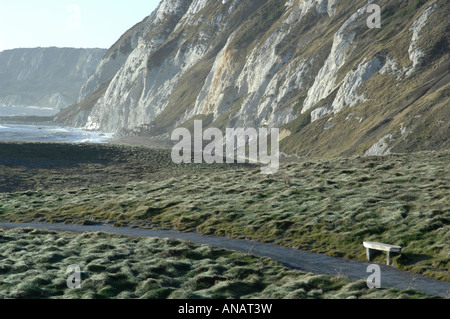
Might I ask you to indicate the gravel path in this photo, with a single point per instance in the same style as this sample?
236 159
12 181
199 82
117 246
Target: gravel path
305 261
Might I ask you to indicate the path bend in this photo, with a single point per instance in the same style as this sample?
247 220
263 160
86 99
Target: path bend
302 260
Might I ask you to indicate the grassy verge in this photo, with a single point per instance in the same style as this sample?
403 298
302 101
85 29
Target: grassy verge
329 206
33 264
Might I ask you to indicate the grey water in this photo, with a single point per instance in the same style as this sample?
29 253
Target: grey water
50 134
8 111
44 133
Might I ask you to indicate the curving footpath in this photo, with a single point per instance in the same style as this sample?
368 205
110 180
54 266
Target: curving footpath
302 260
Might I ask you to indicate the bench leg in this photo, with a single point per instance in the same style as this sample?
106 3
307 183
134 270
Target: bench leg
369 254
389 256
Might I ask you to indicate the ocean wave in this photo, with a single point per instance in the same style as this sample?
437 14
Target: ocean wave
46 134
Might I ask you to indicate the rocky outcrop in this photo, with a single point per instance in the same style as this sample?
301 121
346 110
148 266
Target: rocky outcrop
46 77
311 67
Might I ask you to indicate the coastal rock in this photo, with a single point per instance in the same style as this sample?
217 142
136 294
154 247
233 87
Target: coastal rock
301 65
45 77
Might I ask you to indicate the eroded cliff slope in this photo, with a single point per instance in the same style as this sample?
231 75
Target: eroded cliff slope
310 67
46 77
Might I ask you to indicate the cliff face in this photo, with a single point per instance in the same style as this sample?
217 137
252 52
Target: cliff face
47 77
310 67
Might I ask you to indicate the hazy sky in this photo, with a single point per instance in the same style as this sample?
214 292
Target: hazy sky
68 23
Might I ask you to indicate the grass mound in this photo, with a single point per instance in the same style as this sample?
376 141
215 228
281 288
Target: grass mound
328 206
33 265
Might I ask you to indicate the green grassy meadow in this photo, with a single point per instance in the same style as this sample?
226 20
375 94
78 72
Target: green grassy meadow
33 264
324 206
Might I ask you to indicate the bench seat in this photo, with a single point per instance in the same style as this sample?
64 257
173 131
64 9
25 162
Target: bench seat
390 249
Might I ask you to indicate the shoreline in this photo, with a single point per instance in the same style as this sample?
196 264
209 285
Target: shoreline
49 132
27 120
144 141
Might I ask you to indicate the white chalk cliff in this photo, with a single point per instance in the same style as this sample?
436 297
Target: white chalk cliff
46 77
243 63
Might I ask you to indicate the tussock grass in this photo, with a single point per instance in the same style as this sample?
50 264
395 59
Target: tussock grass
120 267
325 206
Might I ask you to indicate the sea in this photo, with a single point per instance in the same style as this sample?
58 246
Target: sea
44 133
50 134
6 111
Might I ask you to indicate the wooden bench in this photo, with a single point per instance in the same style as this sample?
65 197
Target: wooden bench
390 249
